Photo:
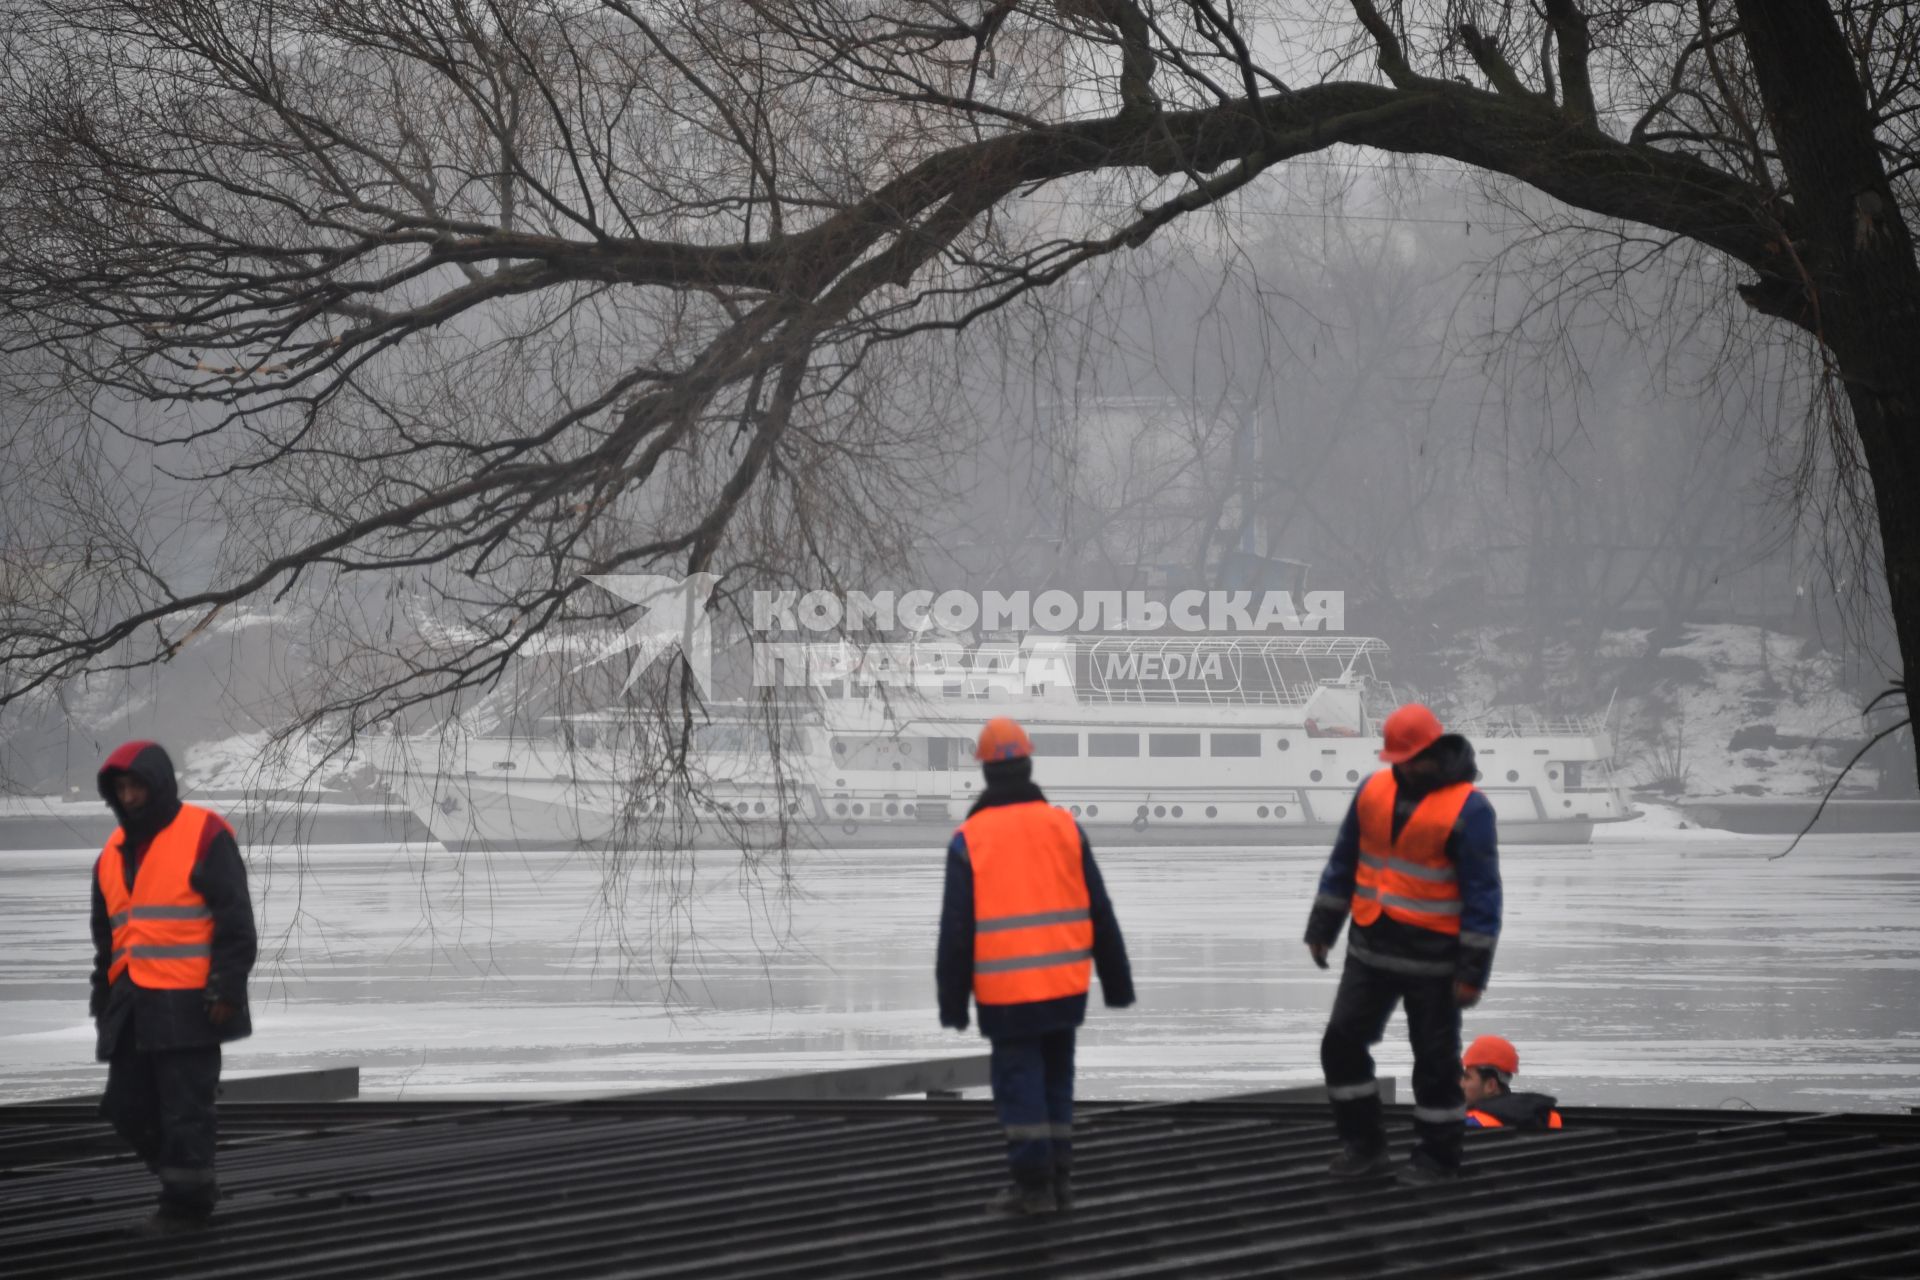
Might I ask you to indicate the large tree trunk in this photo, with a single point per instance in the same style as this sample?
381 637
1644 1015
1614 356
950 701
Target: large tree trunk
1886 411
1854 255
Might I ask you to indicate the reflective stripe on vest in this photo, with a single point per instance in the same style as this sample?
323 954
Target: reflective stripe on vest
1410 878
162 928
1033 919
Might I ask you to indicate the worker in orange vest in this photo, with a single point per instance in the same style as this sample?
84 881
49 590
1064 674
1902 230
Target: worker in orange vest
173 941
1025 921
1487 1070
1416 864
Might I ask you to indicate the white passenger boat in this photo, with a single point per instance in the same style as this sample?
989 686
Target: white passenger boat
1145 739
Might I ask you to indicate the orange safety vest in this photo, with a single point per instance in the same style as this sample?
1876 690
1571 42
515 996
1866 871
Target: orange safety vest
1410 878
1033 918
162 930
1486 1121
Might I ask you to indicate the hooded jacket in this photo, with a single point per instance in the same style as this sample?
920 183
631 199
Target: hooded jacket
171 1019
1392 944
1010 782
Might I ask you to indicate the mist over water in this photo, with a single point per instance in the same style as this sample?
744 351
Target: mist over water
1661 969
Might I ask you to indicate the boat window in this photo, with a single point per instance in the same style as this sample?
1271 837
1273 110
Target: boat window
726 737
750 738
1234 744
1113 744
1173 744
1056 744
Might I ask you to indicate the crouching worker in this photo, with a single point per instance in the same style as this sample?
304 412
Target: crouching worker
1025 921
173 942
1415 863
1487 1070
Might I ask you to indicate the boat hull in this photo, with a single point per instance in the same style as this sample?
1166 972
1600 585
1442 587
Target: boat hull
474 813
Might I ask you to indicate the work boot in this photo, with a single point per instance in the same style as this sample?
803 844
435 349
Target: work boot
166 1221
1361 1160
1423 1172
1023 1200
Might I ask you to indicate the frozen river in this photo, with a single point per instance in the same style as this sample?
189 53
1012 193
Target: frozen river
1652 970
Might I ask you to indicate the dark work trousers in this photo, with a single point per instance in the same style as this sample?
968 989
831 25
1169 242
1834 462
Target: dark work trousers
1033 1094
162 1103
1360 1012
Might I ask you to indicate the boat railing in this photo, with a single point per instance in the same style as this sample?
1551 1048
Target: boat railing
1236 696
1506 724
1264 671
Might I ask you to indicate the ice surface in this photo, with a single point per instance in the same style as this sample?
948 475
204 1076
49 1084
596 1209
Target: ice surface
1660 967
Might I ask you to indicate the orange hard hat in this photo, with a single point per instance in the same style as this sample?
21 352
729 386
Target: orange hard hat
1410 730
1002 739
1492 1051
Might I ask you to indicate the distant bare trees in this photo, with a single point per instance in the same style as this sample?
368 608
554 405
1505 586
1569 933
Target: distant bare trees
505 292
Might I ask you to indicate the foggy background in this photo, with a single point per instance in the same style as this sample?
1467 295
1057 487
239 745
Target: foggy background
1545 498
1557 464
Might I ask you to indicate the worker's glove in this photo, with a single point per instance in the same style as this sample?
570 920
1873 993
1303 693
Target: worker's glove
220 1011
1465 995
97 1002
1318 950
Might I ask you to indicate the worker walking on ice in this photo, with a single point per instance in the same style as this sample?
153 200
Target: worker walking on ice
173 942
1416 864
1025 921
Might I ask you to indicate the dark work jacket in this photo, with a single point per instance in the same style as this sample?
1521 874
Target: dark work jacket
1473 848
172 1019
953 965
1516 1110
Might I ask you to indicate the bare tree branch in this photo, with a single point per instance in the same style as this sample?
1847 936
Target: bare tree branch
491 297
1575 45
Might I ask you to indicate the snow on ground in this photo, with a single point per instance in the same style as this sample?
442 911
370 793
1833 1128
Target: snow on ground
1677 711
255 762
1757 677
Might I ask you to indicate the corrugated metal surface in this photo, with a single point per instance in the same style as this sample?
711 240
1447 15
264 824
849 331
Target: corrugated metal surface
637 1188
